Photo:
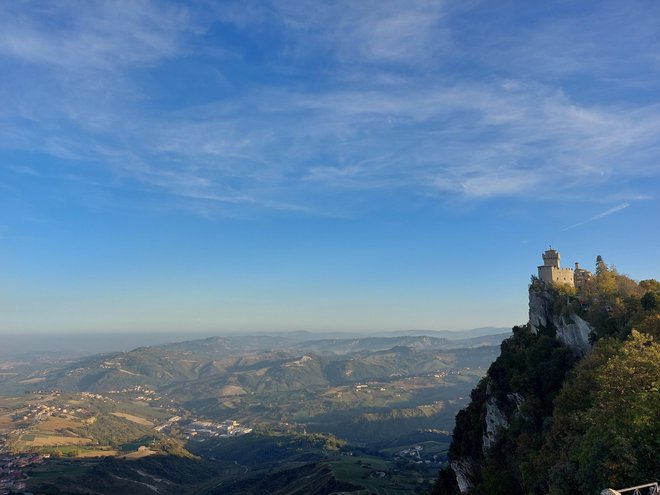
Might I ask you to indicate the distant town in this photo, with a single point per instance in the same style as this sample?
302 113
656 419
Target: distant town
12 474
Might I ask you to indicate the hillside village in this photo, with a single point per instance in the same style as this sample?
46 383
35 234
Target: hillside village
12 471
51 421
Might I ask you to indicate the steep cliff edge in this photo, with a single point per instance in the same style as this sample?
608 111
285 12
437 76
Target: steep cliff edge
529 428
515 396
520 385
550 312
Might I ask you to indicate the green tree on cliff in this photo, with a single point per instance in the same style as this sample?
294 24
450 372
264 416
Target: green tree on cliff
597 427
606 430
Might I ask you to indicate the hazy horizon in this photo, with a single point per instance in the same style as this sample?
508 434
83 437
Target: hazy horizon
82 344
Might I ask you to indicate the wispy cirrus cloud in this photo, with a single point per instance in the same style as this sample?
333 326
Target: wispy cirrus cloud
20 169
378 112
471 141
372 32
81 36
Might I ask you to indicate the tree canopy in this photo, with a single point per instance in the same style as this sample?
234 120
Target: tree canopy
572 428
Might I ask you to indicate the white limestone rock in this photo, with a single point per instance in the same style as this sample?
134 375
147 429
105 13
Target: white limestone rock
572 331
463 472
495 418
540 307
516 398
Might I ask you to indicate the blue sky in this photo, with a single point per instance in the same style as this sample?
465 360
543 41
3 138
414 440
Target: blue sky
335 165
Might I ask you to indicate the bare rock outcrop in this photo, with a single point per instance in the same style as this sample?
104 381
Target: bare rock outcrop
463 470
551 313
569 329
495 419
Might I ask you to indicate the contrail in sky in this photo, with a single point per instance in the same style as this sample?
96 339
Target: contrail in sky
606 213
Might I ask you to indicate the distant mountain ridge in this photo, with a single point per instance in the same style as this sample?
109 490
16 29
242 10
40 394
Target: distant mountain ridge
301 399
215 365
456 334
81 345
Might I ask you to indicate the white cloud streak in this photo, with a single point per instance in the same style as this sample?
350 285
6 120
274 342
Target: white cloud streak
604 214
392 120
79 36
370 31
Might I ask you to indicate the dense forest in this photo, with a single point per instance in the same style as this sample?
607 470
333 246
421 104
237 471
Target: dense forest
570 423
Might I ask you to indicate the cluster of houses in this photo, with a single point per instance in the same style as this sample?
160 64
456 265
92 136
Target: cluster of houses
447 372
90 395
202 429
365 387
12 477
208 429
378 386
167 426
140 392
414 452
415 455
42 411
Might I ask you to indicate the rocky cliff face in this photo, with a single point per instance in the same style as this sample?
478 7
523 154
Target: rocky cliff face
553 415
495 419
550 316
463 471
569 329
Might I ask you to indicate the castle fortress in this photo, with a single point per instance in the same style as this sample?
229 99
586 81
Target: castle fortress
551 272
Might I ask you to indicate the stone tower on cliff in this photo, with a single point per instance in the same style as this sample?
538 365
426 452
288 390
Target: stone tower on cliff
551 271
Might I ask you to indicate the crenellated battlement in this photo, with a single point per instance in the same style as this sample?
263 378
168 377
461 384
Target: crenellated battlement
551 271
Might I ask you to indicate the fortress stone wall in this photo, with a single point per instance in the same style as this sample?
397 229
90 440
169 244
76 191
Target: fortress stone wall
551 274
551 271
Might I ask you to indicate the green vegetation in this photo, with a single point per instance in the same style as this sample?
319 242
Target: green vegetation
616 304
572 426
607 420
168 475
276 464
349 420
385 426
530 365
117 432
